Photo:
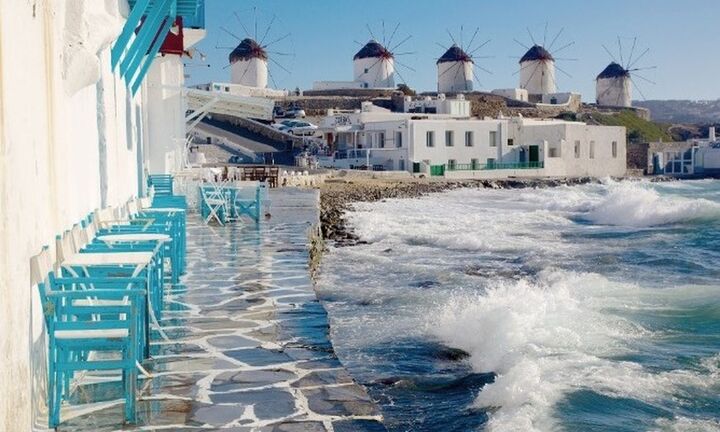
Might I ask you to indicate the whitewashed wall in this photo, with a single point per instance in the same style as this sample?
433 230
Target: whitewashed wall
456 76
613 92
251 73
380 72
68 142
538 76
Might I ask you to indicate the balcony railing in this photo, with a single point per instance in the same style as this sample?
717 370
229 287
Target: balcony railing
496 166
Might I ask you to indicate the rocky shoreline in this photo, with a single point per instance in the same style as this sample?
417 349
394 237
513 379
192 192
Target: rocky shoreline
338 195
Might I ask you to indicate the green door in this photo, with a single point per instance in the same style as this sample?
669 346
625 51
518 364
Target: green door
534 154
437 170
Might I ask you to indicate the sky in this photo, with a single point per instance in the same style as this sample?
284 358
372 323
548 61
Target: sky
682 35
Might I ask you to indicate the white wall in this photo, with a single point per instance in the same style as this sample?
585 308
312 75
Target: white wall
613 92
51 161
380 72
537 76
456 76
440 153
165 115
252 72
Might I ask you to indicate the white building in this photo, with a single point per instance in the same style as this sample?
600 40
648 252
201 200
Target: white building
81 124
373 68
613 87
701 159
537 71
455 71
460 147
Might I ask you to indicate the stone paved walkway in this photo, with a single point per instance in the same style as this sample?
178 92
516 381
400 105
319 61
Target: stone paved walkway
248 348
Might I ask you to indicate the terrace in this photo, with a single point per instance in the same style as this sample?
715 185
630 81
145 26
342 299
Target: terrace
243 341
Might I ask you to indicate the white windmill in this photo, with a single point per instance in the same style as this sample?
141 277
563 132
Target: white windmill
456 67
538 65
613 86
374 65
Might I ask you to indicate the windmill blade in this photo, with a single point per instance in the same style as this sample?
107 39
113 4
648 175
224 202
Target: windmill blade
230 33
279 65
267 30
372 35
272 78
465 80
359 43
567 45
224 47
400 43
462 45
632 50
255 16
620 47
383 31
639 58
404 65
487 71
282 53
566 58
451 36
371 66
479 47
637 88
401 77
644 79
482 57
609 53
531 36
556 38
442 46
448 70
531 75
277 40
545 33
642 68
560 69
247 33
457 72
522 68
392 35
521 44
404 53
472 39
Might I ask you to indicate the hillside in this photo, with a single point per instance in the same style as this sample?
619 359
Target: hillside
638 130
682 111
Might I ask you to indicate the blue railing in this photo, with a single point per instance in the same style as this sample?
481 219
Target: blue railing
495 166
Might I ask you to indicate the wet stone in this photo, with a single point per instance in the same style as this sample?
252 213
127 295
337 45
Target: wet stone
329 363
230 342
229 381
351 400
268 404
358 425
321 378
304 426
259 356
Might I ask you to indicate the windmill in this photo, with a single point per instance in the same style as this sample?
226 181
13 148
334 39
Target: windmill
538 65
613 87
374 65
456 67
249 60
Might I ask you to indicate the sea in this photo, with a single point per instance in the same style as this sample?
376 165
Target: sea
576 308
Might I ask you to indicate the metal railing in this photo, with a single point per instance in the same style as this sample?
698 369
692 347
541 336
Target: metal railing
496 166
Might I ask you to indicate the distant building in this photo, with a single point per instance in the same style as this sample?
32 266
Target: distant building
454 145
537 71
373 68
701 158
455 71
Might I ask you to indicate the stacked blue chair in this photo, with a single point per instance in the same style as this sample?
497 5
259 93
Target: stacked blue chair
84 314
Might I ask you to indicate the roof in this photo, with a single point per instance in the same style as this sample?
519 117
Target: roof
246 50
372 49
613 70
536 53
453 54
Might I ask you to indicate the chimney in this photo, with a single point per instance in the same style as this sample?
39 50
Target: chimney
711 134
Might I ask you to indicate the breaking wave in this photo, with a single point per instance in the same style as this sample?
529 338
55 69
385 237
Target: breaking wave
548 337
637 205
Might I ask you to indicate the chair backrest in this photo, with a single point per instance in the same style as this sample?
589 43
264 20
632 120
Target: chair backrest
41 266
77 234
64 246
132 207
145 202
90 230
103 216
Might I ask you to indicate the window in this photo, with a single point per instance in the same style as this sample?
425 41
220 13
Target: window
381 140
474 164
367 70
430 138
449 135
493 139
469 139
398 139
511 142
577 149
614 149
592 149
553 152
451 164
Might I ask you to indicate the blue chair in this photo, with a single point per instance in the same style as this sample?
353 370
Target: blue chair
86 315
